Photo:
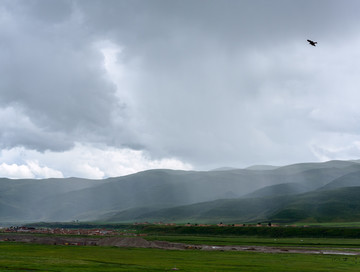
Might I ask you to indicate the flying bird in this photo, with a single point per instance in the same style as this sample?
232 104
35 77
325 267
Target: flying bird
312 42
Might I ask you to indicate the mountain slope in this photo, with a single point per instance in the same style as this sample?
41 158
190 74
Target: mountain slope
320 206
224 210
166 188
23 195
348 180
125 197
154 188
309 180
262 167
280 190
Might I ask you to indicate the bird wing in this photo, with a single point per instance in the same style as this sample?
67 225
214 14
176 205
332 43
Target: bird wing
312 42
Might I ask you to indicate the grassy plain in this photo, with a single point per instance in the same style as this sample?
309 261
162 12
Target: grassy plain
30 257
33 257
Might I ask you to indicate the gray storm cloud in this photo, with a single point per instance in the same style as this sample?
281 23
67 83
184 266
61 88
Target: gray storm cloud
53 74
209 82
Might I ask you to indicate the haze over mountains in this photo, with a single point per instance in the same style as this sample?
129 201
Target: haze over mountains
301 192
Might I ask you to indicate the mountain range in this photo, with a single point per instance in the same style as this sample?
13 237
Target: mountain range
306 192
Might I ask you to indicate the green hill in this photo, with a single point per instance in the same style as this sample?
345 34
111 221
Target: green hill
349 180
280 190
340 205
254 194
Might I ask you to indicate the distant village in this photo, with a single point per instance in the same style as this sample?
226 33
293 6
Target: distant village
65 231
260 224
113 232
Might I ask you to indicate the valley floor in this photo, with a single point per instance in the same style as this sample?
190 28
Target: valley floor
16 256
138 242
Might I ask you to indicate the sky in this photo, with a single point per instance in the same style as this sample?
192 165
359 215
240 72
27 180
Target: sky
97 89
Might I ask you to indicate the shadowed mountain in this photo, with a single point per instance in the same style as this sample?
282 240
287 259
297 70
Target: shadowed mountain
308 180
125 197
224 169
166 188
300 167
349 180
223 210
19 198
279 190
154 188
338 205
262 167
320 206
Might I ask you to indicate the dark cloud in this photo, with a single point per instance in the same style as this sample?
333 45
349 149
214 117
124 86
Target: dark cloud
55 74
210 82
48 11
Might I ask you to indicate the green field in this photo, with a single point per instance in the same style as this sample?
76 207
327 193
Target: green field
28 257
